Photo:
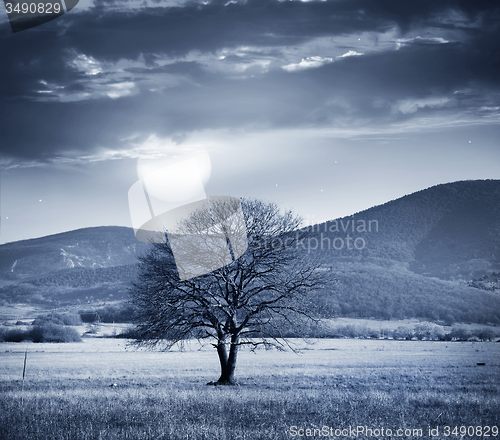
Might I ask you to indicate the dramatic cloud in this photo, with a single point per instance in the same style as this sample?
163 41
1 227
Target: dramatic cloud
94 79
308 63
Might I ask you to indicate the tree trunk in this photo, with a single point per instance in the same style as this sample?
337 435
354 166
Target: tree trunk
227 363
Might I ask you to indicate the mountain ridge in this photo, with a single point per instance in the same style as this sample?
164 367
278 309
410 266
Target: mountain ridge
423 228
96 247
429 254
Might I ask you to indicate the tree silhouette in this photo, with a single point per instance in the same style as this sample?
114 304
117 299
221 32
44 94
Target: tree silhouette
250 301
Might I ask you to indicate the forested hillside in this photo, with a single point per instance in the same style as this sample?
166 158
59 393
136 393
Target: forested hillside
449 231
369 290
434 254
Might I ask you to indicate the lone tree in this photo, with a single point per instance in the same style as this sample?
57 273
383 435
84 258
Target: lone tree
252 301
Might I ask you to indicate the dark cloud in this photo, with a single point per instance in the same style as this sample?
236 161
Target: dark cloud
184 95
177 30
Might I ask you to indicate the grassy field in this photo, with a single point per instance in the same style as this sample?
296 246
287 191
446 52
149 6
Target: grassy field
339 384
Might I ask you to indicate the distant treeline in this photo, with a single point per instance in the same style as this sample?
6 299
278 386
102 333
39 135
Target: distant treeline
424 331
373 290
84 278
55 327
123 312
71 286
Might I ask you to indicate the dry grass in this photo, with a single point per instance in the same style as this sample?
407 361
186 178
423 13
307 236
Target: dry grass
163 395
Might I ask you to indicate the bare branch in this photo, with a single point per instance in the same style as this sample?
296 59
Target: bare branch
255 300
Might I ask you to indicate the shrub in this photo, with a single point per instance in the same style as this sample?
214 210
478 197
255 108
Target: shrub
16 335
50 332
429 331
346 331
402 333
108 314
88 316
69 318
41 320
460 334
45 332
117 313
485 334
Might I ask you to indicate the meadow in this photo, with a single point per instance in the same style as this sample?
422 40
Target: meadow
102 389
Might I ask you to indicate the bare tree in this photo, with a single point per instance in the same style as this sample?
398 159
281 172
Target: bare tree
249 301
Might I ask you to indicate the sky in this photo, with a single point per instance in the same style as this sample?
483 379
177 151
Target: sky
324 107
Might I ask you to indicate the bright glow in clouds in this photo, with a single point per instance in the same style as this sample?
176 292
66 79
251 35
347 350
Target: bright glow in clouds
121 89
87 65
427 40
167 195
351 53
165 185
308 63
175 179
314 62
409 106
196 164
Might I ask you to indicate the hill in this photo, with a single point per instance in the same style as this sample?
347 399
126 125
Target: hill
89 248
76 267
449 231
434 254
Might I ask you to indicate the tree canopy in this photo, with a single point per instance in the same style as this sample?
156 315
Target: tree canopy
249 301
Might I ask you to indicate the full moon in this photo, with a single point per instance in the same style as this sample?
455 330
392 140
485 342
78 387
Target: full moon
175 178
